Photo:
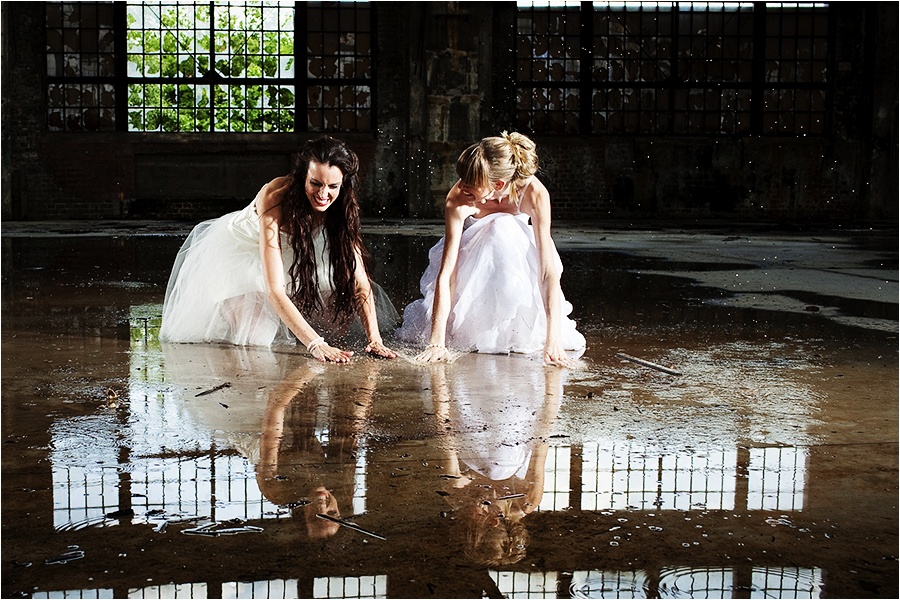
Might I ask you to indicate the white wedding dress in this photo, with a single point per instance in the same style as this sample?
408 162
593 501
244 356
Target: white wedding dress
496 305
217 292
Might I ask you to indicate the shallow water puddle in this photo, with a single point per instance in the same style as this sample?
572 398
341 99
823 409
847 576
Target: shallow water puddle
765 468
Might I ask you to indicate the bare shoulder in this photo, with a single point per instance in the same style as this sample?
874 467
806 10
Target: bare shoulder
536 202
457 205
271 194
454 196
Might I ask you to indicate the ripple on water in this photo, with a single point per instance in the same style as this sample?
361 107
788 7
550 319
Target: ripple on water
765 582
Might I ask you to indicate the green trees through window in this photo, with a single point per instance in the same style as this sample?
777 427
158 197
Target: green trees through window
212 62
231 66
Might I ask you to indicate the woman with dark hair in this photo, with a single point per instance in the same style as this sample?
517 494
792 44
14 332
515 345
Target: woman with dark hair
292 262
300 468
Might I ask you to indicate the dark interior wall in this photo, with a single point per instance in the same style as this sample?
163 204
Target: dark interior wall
445 78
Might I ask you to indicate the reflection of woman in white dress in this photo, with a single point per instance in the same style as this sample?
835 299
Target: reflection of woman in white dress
493 281
292 261
500 410
307 460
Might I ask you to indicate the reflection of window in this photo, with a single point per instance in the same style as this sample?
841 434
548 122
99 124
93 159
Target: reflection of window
171 590
703 480
100 593
89 453
220 486
525 585
274 588
323 434
609 584
766 582
366 586
777 478
696 583
787 582
735 68
82 495
557 479
633 478
177 66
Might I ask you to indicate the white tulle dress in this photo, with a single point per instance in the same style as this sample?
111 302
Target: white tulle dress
496 305
498 407
217 292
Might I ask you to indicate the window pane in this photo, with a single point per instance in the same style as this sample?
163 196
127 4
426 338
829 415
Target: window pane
80 44
209 66
548 61
672 68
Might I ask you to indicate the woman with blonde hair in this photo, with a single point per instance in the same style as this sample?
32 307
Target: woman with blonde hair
493 281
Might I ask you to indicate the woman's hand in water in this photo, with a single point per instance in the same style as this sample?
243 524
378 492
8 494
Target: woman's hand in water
378 349
433 353
325 353
555 355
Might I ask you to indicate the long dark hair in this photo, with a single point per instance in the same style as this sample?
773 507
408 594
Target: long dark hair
342 230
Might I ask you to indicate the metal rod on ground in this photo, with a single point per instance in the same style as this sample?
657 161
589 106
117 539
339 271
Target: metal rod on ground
215 389
350 525
647 363
511 496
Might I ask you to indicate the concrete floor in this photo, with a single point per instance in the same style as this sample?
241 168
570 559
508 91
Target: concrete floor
767 467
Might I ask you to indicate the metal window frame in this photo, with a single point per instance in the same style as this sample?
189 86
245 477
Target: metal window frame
680 83
301 81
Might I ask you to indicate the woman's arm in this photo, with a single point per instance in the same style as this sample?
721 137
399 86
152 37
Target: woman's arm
268 207
273 428
537 206
545 421
368 316
455 212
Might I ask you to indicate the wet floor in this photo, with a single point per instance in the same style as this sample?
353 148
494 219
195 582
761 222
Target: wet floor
761 463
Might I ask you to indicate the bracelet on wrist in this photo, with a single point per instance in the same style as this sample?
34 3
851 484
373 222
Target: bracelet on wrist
434 346
313 344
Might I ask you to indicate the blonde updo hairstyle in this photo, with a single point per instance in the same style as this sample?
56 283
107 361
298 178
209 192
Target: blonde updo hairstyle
509 157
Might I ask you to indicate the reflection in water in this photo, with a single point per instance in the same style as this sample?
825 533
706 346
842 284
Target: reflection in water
288 437
275 588
624 476
310 452
627 477
609 584
196 591
165 454
92 593
776 478
528 585
363 587
751 582
763 582
366 586
500 410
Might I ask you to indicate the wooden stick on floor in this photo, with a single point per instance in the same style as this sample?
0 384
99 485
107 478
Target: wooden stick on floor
647 363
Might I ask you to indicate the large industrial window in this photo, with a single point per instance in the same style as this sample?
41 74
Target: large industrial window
708 68
81 65
173 66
